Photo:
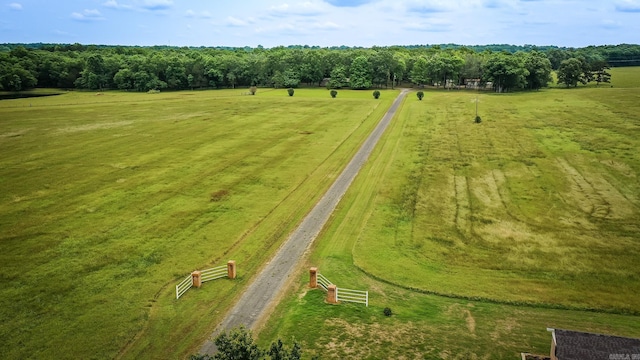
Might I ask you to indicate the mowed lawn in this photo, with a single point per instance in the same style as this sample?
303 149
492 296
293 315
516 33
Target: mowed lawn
480 236
108 200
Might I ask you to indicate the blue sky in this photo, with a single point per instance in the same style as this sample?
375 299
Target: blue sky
573 23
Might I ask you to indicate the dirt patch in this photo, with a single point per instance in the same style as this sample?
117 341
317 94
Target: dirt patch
503 329
486 190
471 322
459 311
463 208
620 167
90 127
368 340
593 194
219 195
13 134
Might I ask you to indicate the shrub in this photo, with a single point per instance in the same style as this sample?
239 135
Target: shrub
478 119
387 311
253 90
376 94
420 95
219 195
333 93
290 91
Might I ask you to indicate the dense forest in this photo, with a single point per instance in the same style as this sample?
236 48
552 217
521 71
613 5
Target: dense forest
499 67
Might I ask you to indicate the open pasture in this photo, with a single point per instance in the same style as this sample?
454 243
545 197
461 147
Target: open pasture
107 200
480 236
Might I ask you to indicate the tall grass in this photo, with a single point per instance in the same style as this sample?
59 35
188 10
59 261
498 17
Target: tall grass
525 221
107 201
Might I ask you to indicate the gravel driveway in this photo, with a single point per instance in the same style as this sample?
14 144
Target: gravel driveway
263 292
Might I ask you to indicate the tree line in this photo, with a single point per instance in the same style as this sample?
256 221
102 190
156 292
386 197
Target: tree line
506 67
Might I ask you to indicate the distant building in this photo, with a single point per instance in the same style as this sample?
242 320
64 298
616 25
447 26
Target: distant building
576 345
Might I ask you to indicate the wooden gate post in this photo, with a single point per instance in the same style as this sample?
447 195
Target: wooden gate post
231 269
332 294
196 278
313 277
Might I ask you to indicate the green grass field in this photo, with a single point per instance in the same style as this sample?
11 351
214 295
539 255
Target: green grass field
480 236
108 200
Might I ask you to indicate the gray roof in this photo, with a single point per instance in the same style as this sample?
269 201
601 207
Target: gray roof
574 345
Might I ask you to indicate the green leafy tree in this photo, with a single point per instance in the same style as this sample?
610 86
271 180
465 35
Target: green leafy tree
442 66
338 78
570 72
506 71
94 75
399 68
472 66
360 77
383 64
290 79
311 70
420 71
333 93
376 94
124 79
600 73
420 95
539 68
277 79
279 352
237 344
290 91
14 77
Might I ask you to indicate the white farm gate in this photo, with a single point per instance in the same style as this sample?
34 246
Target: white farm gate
198 277
183 286
355 296
341 294
213 273
324 282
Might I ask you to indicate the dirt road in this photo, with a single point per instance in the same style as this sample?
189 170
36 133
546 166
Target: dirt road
261 294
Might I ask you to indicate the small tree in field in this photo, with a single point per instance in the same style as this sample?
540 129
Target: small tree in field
420 95
238 344
333 93
290 91
376 94
253 90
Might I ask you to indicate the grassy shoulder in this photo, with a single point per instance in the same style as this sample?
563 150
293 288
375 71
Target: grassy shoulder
109 199
536 205
425 326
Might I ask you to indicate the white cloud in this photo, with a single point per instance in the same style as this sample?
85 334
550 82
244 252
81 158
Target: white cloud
113 4
87 15
430 25
327 25
15 6
307 8
154 5
233 21
628 6
610 24
202 15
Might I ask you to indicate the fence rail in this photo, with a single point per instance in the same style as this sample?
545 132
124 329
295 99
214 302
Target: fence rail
183 286
214 273
198 277
346 295
355 296
324 282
